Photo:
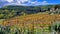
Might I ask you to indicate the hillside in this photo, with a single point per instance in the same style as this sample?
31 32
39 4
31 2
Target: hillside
37 19
12 11
29 20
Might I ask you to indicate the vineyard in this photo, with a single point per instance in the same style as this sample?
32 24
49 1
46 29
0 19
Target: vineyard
33 24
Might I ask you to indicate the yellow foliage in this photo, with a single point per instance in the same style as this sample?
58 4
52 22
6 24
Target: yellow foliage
36 20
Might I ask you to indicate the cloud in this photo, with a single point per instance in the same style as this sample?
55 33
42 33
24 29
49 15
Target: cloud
25 2
40 3
18 1
9 0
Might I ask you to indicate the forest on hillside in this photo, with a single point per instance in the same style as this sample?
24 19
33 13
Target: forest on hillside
12 11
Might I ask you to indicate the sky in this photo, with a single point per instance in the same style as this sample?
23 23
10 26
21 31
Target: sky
28 2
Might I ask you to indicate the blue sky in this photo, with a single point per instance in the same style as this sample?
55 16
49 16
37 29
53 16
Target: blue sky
28 2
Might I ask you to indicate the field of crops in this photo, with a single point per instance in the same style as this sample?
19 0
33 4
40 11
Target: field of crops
31 24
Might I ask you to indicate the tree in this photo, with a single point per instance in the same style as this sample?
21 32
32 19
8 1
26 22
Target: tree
1 16
23 13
